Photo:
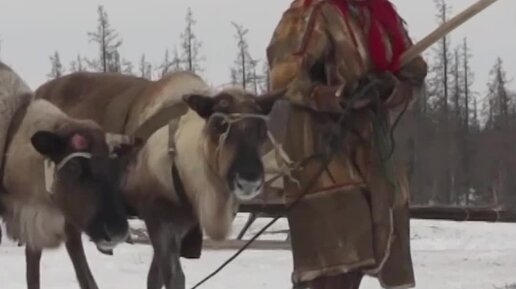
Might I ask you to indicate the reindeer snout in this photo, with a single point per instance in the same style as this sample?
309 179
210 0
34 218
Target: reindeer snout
246 189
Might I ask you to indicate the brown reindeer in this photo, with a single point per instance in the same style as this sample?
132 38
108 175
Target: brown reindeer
59 179
216 160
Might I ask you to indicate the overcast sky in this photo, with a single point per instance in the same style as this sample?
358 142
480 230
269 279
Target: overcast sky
30 30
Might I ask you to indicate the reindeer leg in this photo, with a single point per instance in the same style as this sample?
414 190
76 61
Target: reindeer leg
179 276
154 278
76 252
32 261
165 268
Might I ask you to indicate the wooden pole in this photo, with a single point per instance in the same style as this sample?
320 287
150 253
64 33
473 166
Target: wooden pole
276 207
462 214
444 29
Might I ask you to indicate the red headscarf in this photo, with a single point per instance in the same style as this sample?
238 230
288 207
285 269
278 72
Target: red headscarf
384 16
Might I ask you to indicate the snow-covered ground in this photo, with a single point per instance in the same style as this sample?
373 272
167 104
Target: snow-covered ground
447 255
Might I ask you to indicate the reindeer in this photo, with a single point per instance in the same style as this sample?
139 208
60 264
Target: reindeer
188 176
59 179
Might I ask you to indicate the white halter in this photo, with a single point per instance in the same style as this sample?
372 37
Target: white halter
283 161
51 169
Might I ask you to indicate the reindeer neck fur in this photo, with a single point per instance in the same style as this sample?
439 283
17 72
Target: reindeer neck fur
211 200
31 216
41 115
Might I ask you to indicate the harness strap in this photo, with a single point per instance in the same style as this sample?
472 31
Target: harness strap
191 244
176 179
179 187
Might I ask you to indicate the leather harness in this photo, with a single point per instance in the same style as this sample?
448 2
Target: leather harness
191 244
172 152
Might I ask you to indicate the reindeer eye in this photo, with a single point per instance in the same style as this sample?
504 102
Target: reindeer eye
223 103
72 169
220 126
262 130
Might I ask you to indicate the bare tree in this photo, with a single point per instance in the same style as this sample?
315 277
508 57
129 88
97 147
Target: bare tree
77 64
145 68
191 45
108 42
439 90
457 86
441 70
498 97
176 61
265 85
244 70
468 80
56 69
127 67
475 122
165 65
114 62
168 64
233 74
464 142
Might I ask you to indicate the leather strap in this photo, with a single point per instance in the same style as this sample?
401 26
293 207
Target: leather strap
191 244
176 179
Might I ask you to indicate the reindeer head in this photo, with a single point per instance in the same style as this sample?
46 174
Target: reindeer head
84 181
236 131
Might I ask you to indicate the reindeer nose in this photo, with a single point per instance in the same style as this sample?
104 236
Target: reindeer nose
248 189
251 186
115 231
107 234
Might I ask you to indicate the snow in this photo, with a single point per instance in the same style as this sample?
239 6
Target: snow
446 255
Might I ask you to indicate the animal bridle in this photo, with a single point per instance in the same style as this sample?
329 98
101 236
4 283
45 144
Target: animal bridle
286 166
51 169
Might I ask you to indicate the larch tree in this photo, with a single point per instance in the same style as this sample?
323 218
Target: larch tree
56 67
77 65
127 67
468 78
165 65
265 84
190 45
439 89
243 71
498 96
108 42
145 68
439 74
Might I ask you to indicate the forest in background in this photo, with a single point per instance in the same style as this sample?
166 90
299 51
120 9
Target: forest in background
457 142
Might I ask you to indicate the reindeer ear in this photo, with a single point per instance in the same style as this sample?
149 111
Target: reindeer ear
48 143
201 104
266 101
